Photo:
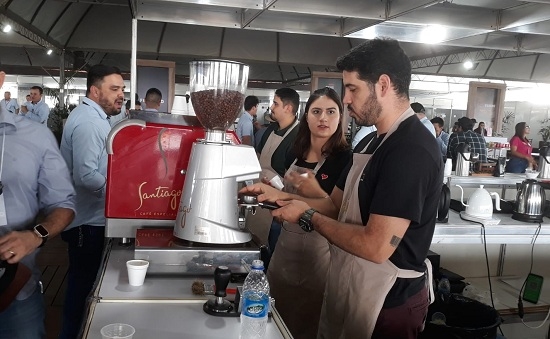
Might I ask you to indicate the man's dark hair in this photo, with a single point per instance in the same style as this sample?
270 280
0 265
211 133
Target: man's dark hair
437 120
418 107
466 123
40 89
289 97
379 56
336 143
153 95
250 101
129 102
97 73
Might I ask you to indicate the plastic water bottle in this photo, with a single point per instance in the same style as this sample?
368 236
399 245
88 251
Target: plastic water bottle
255 303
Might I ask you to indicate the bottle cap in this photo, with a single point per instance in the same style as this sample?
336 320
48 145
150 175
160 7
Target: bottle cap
258 264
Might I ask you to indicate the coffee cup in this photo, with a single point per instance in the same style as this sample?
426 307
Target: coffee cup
277 182
137 269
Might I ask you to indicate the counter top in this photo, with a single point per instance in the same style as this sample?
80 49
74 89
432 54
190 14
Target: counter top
508 231
164 307
169 321
115 286
506 179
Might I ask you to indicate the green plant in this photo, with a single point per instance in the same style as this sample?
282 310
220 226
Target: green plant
545 129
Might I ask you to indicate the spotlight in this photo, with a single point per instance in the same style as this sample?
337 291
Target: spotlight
6 28
468 64
49 51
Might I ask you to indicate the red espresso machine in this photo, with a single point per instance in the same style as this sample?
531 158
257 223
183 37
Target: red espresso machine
149 160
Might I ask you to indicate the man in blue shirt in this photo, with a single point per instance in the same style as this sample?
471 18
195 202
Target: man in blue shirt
10 104
245 127
34 181
83 148
39 111
418 108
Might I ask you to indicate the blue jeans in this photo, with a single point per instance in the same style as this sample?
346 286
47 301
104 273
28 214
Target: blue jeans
86 245
24 319
516 165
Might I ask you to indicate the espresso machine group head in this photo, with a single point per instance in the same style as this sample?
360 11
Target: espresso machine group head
208 211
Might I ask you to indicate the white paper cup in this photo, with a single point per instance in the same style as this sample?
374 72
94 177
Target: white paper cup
117 331
136 271
277 182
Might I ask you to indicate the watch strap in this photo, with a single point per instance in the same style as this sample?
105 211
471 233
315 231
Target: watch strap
44 237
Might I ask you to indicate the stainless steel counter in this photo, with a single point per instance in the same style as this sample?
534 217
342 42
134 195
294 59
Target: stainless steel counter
509 231
164 307
169 321
509 179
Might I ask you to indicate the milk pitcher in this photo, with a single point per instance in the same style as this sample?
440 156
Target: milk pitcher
463 160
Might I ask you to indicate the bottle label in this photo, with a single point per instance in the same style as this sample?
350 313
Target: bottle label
256 307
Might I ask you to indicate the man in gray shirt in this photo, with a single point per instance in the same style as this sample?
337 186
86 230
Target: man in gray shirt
36 203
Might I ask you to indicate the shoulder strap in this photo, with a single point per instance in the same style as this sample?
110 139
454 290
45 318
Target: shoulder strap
364 142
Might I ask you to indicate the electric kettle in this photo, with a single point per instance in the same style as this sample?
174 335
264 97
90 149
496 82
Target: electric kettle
530 201
544 162
480 203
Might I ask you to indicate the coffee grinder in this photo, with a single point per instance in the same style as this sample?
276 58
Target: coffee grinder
208 212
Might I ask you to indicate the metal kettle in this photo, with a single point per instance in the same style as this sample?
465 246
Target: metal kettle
544 162
530 201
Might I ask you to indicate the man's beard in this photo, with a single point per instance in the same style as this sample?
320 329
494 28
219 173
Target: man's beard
369 112
110 110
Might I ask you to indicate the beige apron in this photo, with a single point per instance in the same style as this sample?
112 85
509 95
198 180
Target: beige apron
297 274
259 223
357 288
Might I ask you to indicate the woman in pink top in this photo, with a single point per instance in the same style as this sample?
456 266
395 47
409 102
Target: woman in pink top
520 151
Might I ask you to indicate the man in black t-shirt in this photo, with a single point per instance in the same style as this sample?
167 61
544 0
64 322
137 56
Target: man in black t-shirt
387 201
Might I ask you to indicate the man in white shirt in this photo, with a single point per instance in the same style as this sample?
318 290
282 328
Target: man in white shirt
153 99
10 104
27 105
421 114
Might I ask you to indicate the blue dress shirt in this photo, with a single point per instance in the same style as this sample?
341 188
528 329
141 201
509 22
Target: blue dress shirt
83 148
428 125
245 127
11 105
39 112
35 178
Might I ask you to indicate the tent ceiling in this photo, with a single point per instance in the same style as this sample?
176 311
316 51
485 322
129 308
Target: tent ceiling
282 40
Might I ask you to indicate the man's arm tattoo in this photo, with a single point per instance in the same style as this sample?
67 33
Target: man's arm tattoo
395 240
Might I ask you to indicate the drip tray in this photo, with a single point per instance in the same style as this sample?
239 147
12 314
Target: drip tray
506 207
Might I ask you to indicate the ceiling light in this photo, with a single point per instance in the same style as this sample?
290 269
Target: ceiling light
6 28
433 34
49 51
468 64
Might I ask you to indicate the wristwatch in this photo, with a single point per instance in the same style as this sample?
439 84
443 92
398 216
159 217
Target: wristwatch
42 233
305 220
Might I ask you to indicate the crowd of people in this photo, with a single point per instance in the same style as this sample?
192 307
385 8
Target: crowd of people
348 243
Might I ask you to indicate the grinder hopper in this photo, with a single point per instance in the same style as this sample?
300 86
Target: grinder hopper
208 211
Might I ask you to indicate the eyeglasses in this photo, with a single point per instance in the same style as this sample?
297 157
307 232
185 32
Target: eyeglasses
527 127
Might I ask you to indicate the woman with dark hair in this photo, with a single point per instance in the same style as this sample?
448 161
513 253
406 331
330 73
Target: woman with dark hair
298 268
520 151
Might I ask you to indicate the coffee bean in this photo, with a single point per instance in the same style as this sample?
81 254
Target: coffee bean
217 109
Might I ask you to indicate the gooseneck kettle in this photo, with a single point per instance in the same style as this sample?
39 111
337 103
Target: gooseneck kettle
480 203
530 201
